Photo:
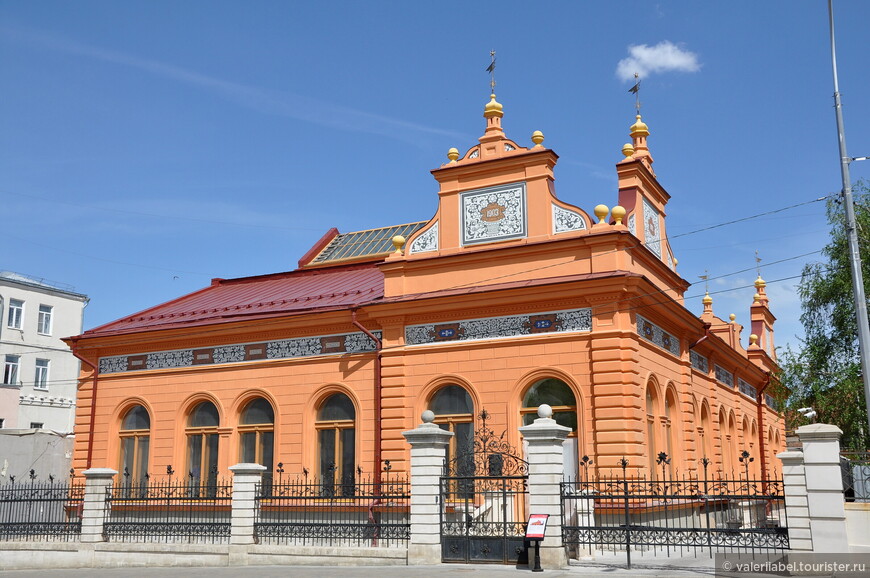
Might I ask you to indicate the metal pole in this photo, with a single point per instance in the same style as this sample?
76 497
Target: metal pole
852 232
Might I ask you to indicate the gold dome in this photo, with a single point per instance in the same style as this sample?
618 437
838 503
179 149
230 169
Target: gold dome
759 283
707 300
493 107
639 128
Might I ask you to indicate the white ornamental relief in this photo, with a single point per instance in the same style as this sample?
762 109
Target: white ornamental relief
494 214
565 220
651 234
632 224
426 242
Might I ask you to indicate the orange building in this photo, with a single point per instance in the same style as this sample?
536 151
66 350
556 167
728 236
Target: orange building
507 298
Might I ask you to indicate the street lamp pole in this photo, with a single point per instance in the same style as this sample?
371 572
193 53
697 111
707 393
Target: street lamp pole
852 231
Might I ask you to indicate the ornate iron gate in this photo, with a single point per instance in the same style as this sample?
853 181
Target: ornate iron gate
673 515
483 501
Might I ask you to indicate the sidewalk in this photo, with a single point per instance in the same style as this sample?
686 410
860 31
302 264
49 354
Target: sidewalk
661 568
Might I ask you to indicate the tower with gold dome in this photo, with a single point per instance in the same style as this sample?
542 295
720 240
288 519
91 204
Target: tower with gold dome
509 296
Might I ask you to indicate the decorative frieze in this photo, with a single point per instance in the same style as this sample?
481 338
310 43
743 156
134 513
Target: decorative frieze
724 376
655 334
281 349
746 389
699 362
494 327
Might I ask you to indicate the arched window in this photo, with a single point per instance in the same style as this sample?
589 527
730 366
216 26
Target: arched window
706 433
669 422
202 443
135 441
454 411
336 436
257 434
558 395
651 427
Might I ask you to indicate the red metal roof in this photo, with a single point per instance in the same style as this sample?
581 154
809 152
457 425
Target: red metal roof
229 300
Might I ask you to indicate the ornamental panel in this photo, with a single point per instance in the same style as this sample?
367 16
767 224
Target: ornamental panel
651 234
281 349
426 242
493 327
493 214
655 334
565 220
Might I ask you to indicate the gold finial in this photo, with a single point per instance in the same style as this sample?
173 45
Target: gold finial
756 298
537 138
732 317
753 339
493 108
453 155
627 150
639 128
759 283
618 214
601 212
398 243
676 262
707 300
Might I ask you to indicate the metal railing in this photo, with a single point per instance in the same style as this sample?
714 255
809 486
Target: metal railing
322 511
34 510
673 514
171 510
855 468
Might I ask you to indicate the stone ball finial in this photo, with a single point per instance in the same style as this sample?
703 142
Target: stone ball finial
428 416
618 213
627 150
601 212
732 317
537 138
398 243
756 298
453 154
753 339
676 262
545 411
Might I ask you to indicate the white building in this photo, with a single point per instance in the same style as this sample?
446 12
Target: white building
38 388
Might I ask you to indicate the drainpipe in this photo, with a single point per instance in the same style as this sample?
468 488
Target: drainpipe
93 404
758 399
378 400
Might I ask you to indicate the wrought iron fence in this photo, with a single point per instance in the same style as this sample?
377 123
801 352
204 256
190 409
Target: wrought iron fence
855 467
169 510
323 511
673 515
41 510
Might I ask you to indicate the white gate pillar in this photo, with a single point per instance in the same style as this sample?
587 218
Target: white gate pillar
546 467
428 443
824 478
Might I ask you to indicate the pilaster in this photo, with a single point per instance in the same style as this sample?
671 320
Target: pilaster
245 480
97 481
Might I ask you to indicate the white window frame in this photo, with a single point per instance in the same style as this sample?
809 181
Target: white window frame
11 367
43 323
15 318
40 379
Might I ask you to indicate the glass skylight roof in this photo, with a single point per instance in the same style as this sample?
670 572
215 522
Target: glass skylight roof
370 243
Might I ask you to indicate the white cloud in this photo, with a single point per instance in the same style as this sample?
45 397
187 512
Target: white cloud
663 57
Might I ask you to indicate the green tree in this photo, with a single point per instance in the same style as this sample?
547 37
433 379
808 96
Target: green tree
825 372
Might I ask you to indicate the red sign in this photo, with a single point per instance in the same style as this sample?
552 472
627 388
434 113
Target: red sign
537 526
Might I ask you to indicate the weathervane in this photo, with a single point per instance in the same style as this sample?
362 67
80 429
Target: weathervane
491 70
757 263
706 278
635 90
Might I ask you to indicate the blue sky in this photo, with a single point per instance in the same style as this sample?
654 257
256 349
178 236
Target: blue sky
146 147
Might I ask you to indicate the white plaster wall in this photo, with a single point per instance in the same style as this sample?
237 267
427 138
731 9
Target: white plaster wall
858 526
54 407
